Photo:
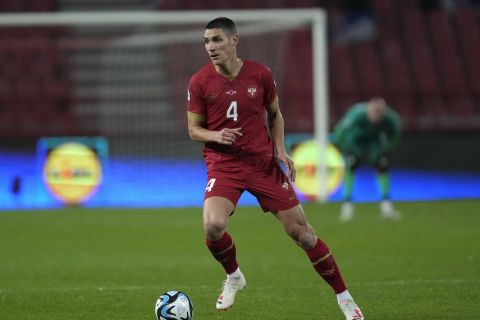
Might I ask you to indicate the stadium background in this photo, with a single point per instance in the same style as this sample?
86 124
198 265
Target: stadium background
421 56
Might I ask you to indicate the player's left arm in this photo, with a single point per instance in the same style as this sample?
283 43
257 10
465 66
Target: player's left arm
277 129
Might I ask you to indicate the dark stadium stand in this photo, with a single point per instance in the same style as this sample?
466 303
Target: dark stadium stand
296 71
366 57
35 92
397 76
343 83
468 36
424 62
27 5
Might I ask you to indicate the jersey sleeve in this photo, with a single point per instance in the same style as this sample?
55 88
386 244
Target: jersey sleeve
394 130
346 129
195 98
269 86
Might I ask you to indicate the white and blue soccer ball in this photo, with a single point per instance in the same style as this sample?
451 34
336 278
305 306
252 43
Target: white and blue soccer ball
174 305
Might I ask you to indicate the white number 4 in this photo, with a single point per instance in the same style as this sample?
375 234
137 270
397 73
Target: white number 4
210 184
232 111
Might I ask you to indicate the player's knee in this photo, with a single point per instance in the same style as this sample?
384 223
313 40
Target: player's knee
214 229
352 162
308 239
303 235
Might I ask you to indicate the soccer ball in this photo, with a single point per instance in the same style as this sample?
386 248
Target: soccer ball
174 305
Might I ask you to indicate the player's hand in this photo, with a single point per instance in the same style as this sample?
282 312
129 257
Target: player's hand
227 136
288 162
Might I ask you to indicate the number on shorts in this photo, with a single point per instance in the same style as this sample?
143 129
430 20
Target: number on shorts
210 184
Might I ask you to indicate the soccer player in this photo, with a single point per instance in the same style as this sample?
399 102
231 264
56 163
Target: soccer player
228 100
368 133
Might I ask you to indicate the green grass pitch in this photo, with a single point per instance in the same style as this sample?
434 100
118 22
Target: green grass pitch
113 264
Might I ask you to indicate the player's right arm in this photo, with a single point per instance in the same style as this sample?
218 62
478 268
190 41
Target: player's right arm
346 129
197 118
199 133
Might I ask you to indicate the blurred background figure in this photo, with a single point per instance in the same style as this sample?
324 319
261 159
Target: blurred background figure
367 134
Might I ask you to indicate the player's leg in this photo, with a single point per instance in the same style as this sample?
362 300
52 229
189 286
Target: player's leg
216 211
382 165
276 194
383 176
219 204
296 226
352 162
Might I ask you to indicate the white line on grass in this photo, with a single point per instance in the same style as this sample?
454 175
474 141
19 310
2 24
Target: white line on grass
205 287
414 282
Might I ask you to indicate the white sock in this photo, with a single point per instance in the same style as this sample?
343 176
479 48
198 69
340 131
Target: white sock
235 274
386 206
345 295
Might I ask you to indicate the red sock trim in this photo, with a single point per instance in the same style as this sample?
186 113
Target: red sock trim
319 251
324 263
224 251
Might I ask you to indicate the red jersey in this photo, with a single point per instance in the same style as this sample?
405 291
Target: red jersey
239 103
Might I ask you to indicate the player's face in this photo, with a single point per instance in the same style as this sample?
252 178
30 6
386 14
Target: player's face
219 46
375 112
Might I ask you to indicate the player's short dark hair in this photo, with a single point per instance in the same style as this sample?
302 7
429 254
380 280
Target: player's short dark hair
226 24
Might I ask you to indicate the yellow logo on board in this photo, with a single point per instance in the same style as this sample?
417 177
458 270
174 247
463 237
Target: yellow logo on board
305 156
72 172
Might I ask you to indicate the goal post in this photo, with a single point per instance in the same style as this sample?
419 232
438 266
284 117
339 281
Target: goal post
128 72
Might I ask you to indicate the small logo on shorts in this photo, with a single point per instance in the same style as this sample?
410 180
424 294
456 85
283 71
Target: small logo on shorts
285 185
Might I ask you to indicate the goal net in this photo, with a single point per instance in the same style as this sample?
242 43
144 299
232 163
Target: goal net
124 76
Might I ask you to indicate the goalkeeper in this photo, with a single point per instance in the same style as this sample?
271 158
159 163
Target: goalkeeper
367 134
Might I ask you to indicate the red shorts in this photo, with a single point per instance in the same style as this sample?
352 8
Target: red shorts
268 183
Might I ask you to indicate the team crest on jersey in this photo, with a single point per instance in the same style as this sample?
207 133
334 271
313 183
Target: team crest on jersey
252 91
